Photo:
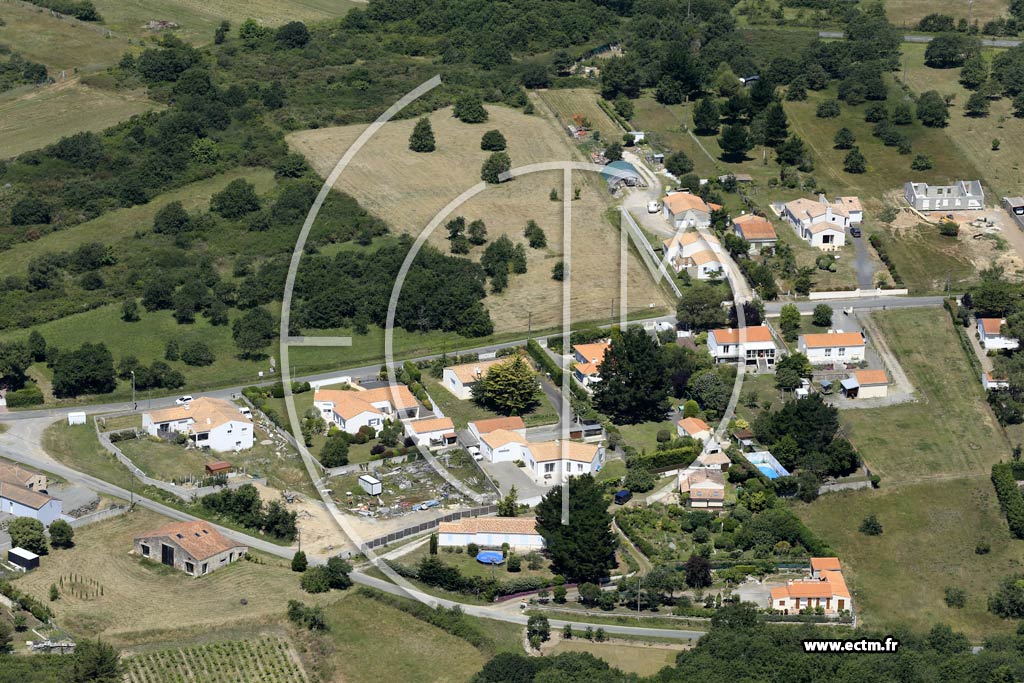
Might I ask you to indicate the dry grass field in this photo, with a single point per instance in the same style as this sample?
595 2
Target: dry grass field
578 101
146 602
907 13
35 118
638 658
59 44
407 189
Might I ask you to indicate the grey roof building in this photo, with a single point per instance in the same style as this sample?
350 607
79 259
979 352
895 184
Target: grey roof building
962 195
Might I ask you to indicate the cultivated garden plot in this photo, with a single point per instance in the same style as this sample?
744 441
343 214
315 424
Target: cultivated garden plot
267 660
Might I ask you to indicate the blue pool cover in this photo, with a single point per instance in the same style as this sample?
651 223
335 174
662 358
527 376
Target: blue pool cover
767 471
490 557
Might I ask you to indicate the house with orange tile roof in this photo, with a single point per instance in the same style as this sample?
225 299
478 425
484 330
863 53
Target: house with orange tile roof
695 428
207 422
822 223
834 346
520 533
504 445
686 210
195 548
354 408
513 424
551 462
460 379
758 231
703 487
754 345
587 361
826 589
865 384
992 383
990 334
431 432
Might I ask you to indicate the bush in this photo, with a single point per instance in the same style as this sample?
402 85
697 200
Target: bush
316 580
1010 499
472 549
829 109
949 228
870 526
515 564
956 597
31 395
197 354
883 253
493 141
921 162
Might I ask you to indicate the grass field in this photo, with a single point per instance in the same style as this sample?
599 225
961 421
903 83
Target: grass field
583 102
639 659
407 190
907 13
463 412
930 532
198 20
37 117
59 44
973 137
924 259
269 659
949 431
125 613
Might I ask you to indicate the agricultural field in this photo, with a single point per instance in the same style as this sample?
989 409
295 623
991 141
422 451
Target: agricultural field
972 137
198 20
949 431
638 658
123 614
267 659
31 118
407 190
569 103
60 44
930 531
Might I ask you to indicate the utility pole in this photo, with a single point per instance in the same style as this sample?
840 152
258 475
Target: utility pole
639 586
134 404
529 325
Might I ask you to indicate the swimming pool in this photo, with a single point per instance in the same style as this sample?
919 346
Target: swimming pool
490 557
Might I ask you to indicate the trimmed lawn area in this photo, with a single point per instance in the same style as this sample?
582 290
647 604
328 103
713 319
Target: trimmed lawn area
907 13
949 430
845 275
77 446
761 389
930 532
166 461
462 412
644 436
468 566
612 470
640 659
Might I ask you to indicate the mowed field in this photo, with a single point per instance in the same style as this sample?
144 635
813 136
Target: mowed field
142 603
907 13
924 259
949 431
36 117
407 190
58 43
198 19
571 102
930 530
632 658
971 136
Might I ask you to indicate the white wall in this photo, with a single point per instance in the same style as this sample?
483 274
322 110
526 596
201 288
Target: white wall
453 384
47 514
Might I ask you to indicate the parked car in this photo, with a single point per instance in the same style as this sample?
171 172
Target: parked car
623 497
653 207
182 400
475 452
426 505
855 232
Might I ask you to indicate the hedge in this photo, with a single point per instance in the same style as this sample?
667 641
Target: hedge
29 396
485 588
451 620
673 457
1010 499
961 333
879 245
26 602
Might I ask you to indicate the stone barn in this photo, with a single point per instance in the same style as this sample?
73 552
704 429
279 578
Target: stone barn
195 548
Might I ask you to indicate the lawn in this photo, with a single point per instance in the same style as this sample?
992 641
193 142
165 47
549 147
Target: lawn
463 412
612 470
570 102
166 461
930 533
77 446
845 275
33 118
907 13
59 44
198 20
972 137
640 659
949 431
125 612
924 259
468 566
644 435
408 189
761 390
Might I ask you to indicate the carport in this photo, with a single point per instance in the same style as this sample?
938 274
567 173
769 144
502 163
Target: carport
849 387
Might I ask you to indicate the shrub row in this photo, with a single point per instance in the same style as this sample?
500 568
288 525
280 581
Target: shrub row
29 396
83 10
673 457
883 253
126 435
26 602
441 575
1010 499
451 620
961 333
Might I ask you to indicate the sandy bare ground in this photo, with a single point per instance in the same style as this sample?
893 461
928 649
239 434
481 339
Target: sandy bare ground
407 189
319 534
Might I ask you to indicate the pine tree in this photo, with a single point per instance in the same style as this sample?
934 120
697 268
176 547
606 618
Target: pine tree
776 125
496 164
633 383
470 109
735 142
844 139
422 138
535 235
509 388
705 117
584 549
299 562
855 162
477 232
493 141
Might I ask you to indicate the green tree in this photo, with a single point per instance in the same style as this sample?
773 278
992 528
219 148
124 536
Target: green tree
509 505
335 450
678 164
15 359
583 550
822 316
698 571
316 580
932 110
558 271
496 164
634 383
477 232
977 105
254 332
700 307
921 162
624 107
535 235
27 533
613 152
949 50
172 219
456 228
30 211
791 152
130 311
62 535
735 142
828 109
776 125
709 390
844 139
870 526
974 73
422 137
789 321
493 141
292 35
95 662
509 388
299 562
37 346
854 162
538 626
236 200
706 117
86 370
470 109
338 571
691 408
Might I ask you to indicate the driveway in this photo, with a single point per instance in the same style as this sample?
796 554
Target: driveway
507 474
865 267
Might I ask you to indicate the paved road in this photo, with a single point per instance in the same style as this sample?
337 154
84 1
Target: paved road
865 267
916 38
867 303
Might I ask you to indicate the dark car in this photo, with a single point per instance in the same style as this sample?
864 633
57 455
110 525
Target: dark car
623 496
855 232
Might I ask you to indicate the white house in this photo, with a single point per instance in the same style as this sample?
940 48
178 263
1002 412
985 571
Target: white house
352 409
865 384
963 195
588 359
716 461
459 379
431 431
504 445
704 265
20 501
991 336
754 345
758 231
827 591
822 223
695 428
992 383
207 422
682 249
685 210
512 424
832 347
551 461
491 532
